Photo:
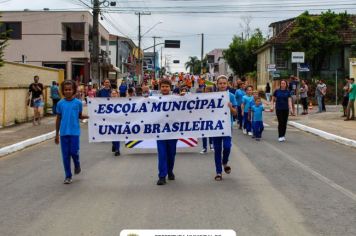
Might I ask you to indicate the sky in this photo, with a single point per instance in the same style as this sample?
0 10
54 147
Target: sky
186 20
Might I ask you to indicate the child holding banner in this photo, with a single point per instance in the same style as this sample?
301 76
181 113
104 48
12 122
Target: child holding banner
115 144
166 148
222 145
207 89
69 111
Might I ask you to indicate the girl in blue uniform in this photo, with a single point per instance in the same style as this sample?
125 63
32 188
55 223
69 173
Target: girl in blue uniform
69 111
222 145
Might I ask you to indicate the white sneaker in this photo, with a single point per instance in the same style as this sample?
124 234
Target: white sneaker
281 139
203 151
244 131
250 133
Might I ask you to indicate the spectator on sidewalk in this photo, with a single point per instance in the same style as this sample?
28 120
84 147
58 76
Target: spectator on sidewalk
35 99
268 92
352 96
293 85
54 96
282 102
345 100
304 96
320 93
324 89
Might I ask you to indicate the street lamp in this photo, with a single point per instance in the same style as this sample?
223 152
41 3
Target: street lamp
159 22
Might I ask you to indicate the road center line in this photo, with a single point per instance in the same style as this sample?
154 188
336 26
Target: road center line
308 169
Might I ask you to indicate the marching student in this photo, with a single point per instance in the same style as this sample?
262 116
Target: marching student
222 145
245 107
69 111
240 92
115 144
250 117
166 148
207 89
257 117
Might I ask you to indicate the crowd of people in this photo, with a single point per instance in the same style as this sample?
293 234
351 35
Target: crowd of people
71 106
245 104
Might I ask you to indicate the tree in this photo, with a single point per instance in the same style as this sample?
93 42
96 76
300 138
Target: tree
3 43
241 55
193 65
318 36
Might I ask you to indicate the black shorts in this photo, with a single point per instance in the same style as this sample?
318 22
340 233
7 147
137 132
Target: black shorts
345 101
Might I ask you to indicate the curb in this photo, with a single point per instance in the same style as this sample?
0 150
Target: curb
323 134
26 143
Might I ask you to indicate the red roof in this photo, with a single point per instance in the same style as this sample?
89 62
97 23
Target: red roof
348 35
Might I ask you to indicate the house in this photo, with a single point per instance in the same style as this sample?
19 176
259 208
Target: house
150 59
217 64
273 51
122 56
57 39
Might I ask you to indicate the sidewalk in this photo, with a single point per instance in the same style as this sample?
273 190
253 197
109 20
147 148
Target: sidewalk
330 122
24 131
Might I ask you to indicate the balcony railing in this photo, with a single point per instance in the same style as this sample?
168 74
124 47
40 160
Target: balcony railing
73 45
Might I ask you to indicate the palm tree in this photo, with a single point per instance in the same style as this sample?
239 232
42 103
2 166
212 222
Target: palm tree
192 64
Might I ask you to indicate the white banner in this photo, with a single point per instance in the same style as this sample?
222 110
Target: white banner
159 117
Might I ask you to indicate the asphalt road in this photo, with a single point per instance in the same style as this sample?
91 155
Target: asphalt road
306 186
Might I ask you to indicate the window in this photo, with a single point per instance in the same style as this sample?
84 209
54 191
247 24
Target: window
281 61
13 29
73 36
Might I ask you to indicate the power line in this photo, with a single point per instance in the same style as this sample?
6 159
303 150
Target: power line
226 11
85 4
113 24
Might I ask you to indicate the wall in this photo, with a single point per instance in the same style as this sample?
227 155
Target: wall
14 82
263 59
20 75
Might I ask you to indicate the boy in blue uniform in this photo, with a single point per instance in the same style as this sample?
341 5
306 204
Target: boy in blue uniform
252 103
257 116
222 145
240 92
245 106
69 111
115 144
166 148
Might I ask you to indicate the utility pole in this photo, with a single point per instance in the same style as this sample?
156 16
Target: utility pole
154 55
140 60
202 53
161 57
95 50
